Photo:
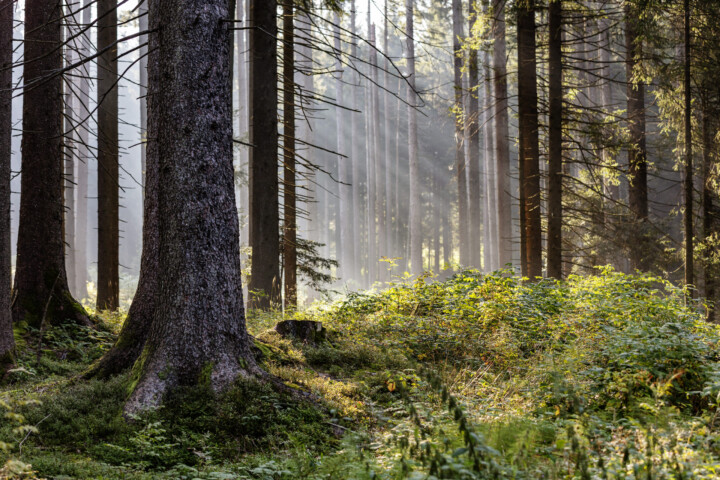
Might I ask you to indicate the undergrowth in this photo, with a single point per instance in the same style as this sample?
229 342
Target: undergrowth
478 376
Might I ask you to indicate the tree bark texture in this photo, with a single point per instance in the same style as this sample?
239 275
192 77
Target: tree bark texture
7 341
40 277
529 140
688 176
290 199
554 205
198 333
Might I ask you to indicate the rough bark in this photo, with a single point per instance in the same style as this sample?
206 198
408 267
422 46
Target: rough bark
637 152
460 167
198 334
502 146
473 134
415 206
554 205
7 341
143 23
264 289
40 277
688 176
529 143
290 198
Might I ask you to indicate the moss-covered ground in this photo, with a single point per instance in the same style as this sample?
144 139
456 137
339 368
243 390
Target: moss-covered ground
478 376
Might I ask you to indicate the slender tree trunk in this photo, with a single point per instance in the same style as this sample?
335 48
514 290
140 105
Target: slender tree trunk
415 215
290 210
108 287
242 53
529 143
554 235
7 341
358 213
83 156
458 114
345 248
264 229
711 207
387 158
378 160
40 278
143 23
474 184
502 146
490 227
688 177
637 153
198 333
69 136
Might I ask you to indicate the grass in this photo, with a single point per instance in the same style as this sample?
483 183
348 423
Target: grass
478 376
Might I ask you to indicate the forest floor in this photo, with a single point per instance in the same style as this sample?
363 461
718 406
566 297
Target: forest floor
479 376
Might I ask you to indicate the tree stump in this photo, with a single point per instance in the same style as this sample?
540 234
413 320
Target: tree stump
306 331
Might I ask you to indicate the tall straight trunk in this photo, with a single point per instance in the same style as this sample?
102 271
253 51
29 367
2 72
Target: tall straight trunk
400 174
143 23
529 143
378 159
290 198
69 137
346 249
554 205
241 53
304 61
41 289
458 113
387 158
490 227
264 229
415 215
108 285
711 207
83 156
198 333
688 177
502 145
7 341
358 213
637 153
473 181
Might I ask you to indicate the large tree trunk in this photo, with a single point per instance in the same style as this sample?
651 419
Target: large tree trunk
143 23
41 290
198 333
529 141
7 342
554 205
502 145
473 134
108 286
264 229
460 167
688 177
290 199
415 210
69 137
637 153
83 156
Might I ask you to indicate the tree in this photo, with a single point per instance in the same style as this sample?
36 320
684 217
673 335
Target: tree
198 332
554 209
460 168
473 134
290 197
264 228
108 286
688 176
415 218
502 146
41 289
529 141
7 342
637 151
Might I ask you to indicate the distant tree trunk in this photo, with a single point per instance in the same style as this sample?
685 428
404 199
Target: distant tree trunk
40 277
143 23
69 136
711 210
473 183
264 229
458 113
688 177
637 153
83 156
108 287
415 214
502 145
387 158
554 205
529 143
346 247
358 213
490 226
290 199
7 341
378 160
198 333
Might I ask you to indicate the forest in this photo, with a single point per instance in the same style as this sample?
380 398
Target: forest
348 239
